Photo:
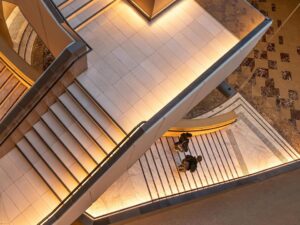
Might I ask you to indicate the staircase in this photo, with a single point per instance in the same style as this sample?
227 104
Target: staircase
11 90
69 141
26 44
22 34
79 12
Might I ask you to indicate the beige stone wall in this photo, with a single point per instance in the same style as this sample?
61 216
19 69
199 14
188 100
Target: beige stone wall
8 8
46 26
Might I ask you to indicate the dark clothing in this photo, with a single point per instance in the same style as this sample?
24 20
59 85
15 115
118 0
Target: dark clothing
183 143
189 163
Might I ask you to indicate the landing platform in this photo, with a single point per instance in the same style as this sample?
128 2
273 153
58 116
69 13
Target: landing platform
245 148
137 67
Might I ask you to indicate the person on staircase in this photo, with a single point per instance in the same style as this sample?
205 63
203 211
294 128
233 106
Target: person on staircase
189 163
182 144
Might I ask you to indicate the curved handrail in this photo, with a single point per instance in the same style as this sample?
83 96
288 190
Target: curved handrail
203 125
107 157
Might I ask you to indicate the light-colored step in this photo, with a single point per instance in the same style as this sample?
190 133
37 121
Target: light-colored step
88 122
29 47
70 142
59 149
24 42
43 169
51 160
73 6
73 127
91 107
88 12
59 2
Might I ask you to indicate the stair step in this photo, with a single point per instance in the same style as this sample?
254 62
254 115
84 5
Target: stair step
43 169
58 148
58 3
2 66
24 41
23 165
73 126
100 116
88 12
12 99
88 122
29 47
52 160
5 74
74 7
7 88
70 142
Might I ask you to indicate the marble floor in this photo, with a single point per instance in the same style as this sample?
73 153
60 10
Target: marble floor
268 78
227 154
135 69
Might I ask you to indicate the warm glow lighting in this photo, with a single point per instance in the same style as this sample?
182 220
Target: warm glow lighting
178 66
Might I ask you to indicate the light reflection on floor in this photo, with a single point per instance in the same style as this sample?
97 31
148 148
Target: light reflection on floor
250 145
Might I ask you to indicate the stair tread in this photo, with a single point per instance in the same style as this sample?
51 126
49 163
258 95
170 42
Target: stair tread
95 151
60 151
7 88
69 141
52 161
59 2
43 169
24 41
2 66
96 113
87 122
90 11
73 7
4 76
16 94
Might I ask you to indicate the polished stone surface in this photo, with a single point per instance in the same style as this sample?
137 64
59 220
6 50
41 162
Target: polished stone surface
275 201
246 147
268 78
138 66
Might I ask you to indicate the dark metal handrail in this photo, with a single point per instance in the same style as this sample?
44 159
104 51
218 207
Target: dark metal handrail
71 54
260 175
97 168
142 128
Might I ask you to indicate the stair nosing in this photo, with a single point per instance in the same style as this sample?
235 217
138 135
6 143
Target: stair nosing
81 126
54 154
64 145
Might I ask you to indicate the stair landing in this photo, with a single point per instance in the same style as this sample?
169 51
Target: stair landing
227 155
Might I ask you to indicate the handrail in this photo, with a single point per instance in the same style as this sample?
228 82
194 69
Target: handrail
259 175
202 125
54 9
140 130
67 58
116 148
